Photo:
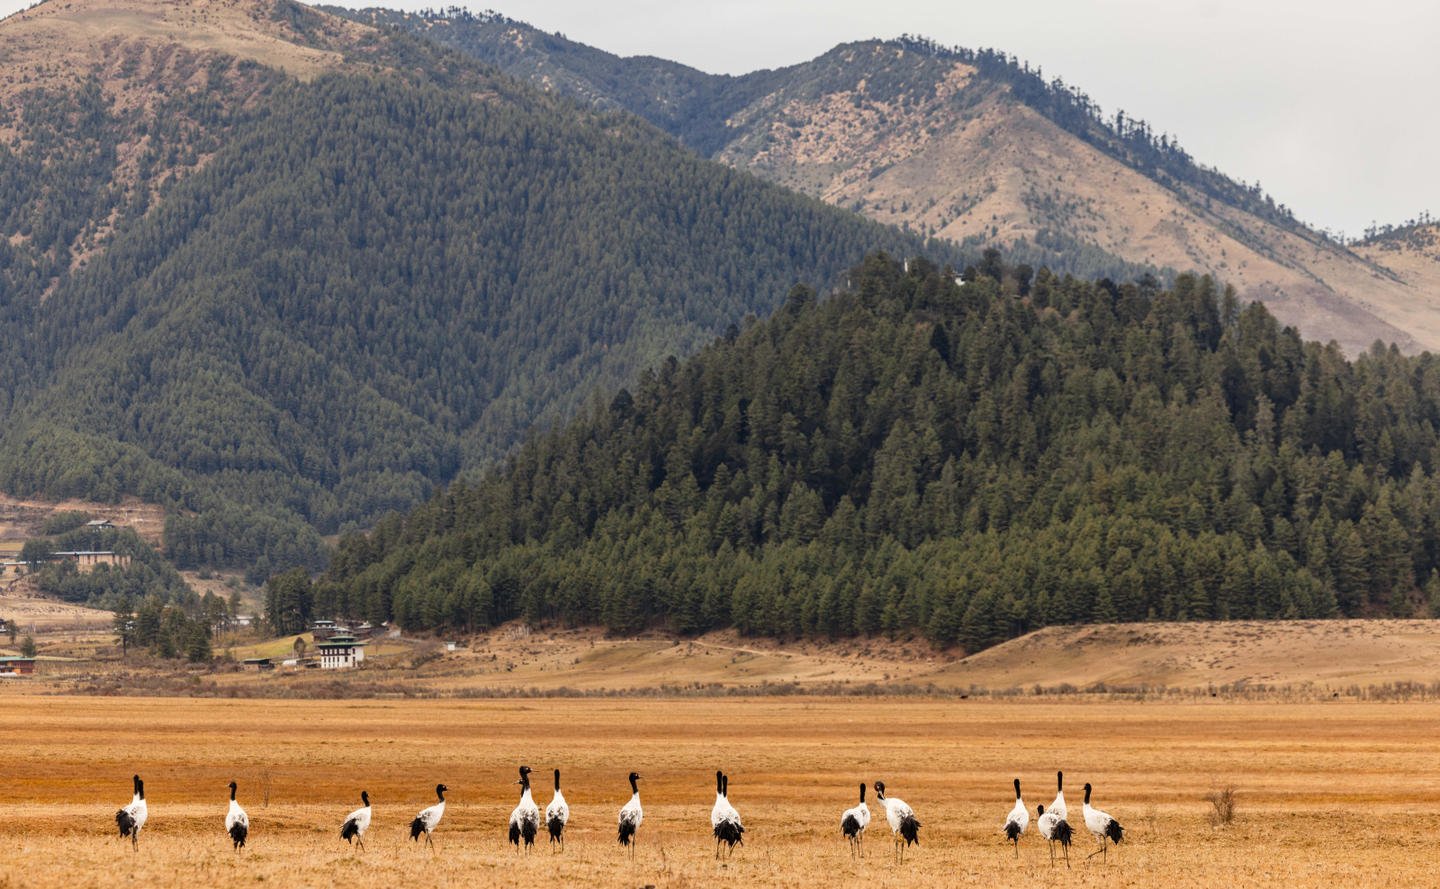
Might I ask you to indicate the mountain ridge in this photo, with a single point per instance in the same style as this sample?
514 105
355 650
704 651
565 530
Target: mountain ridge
1000 157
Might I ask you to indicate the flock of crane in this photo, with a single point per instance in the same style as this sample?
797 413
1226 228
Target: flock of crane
526 819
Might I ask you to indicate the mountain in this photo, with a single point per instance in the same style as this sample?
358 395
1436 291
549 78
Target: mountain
963 462
974 147
299 272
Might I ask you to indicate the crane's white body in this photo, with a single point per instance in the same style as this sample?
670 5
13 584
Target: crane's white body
132 817
1054 828
237 823
1057 807
1100 825
429 818
1017 820
631 815
904 826
557 814
853 822
525 818
724 819
356 823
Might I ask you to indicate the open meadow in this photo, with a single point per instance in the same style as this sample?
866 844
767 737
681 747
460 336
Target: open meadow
1329 793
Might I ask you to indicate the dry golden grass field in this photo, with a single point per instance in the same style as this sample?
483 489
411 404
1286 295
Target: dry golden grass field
1329 794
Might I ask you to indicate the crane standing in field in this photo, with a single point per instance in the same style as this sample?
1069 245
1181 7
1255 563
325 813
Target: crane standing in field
904 826
1054 829
1017 820
429 818
1057 807
1101 826
132 817
557 815
724 820
525 819
853 822
357 822
237 823
631 814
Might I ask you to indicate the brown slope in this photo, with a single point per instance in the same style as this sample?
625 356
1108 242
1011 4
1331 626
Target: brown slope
171 77
969 161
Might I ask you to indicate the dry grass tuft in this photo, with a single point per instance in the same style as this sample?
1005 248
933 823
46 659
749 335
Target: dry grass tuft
1222 804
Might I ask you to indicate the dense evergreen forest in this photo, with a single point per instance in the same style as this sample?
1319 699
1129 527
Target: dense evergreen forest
967 462
375 283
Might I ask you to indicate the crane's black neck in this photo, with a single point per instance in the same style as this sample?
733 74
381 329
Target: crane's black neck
1087 794
1059 781
725 787
365 798
1017 788
719 783
440 792
634 787
862 791
232 791
557 780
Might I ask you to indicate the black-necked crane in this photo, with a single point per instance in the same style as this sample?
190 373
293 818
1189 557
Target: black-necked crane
904 826
132 817
429 818
557 815
357 822
631 814
1055 830
853 822
724 819
1017 820
525 819
237 823
1101 826
1057 807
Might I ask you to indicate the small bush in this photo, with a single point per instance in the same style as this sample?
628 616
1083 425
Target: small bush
1223 803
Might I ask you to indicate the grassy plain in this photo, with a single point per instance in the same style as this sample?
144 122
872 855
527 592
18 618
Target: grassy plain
1332 793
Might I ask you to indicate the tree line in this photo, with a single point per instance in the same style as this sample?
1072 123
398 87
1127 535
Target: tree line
958 461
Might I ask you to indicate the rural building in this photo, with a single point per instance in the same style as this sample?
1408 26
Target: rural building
86 560
100 524
323 629
21 666
257 664
341 652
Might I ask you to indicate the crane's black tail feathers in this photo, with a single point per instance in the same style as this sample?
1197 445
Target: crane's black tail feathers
528 829
350 830
1012 831
237 835
1114 831
514 834
417 827
556 828
1064 834
125 821
729 832
910 830
627 832
850 826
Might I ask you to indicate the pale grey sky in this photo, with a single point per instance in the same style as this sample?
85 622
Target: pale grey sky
1330 104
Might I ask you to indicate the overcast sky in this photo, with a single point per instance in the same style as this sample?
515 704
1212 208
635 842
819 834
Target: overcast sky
1330 104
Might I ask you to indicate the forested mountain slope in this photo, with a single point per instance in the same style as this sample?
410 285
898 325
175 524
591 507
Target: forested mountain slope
963 462
975 147
364 281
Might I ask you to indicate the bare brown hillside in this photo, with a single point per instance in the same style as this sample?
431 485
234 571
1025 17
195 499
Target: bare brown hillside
969 161
138 93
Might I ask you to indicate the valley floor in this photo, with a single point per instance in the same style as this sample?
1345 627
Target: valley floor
1329 793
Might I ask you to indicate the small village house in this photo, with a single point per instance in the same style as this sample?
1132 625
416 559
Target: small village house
341 652
17 666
